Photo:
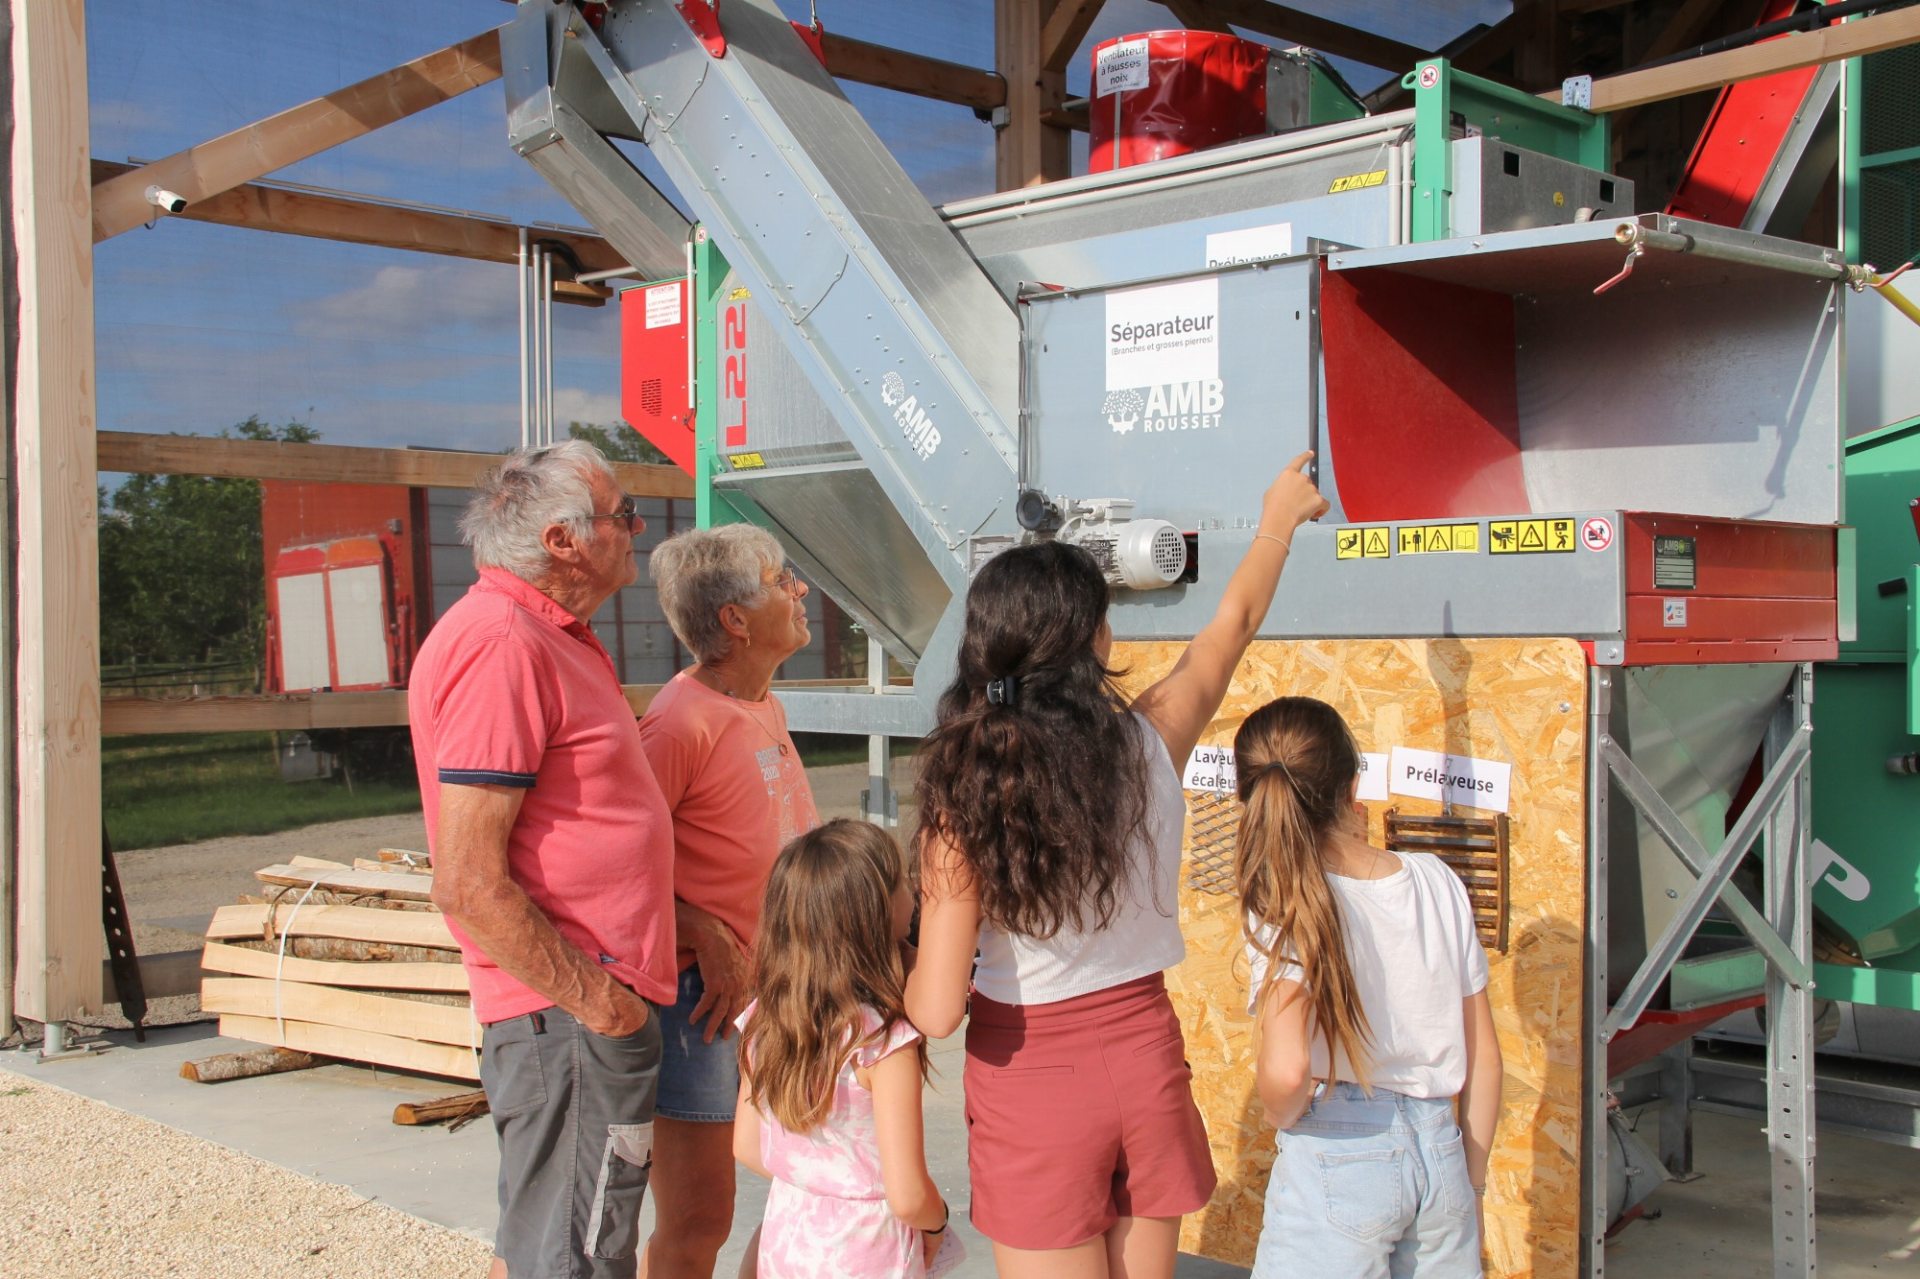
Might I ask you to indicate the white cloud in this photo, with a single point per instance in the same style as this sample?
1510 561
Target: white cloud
571 404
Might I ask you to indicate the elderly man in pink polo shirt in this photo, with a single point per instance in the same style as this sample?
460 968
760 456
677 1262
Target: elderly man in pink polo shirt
553 859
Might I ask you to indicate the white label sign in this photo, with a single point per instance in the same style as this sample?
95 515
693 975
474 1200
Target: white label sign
1255 244
1210 768
1163 334
1120 66
1373 777
1673 613
1452 779
663 305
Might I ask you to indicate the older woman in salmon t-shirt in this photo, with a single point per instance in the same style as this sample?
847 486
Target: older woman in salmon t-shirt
719 747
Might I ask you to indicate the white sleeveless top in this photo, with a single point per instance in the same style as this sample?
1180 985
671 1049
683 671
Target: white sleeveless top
1144 937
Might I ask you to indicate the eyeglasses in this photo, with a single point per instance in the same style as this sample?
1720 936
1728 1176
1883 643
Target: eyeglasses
788 581
628 511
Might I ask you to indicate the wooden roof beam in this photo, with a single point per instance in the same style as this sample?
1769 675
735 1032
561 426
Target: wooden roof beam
223 163
1064 29
352 221
1194 17
1862 36
1281 23
914 73
141 452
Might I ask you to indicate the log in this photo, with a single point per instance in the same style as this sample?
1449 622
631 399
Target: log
346 951
393 867
356 1045
395 1016
360 923
268 963
352 883
461 1105
261 1061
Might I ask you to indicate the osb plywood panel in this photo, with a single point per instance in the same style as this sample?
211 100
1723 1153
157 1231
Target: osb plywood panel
1518 701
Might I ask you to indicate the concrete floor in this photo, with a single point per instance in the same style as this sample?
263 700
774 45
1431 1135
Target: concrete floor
1714 1227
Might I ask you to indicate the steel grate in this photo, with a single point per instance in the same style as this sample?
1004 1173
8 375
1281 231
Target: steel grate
1889 198
1213 838
1891 110
1476 849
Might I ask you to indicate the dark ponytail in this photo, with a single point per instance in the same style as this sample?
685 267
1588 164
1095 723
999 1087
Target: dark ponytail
1041 788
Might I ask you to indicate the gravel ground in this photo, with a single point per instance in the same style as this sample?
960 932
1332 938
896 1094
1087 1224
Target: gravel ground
175 1205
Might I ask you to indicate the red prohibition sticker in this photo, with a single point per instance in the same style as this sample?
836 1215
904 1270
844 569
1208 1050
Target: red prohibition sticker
1597 533
1429 76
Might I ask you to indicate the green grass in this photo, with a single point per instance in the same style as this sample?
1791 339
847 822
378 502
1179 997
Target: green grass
182 789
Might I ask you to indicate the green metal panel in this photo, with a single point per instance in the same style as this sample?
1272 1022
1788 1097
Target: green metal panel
1440 94
1883 482
709 274
1328 100
1868 817
1890 984
1880 158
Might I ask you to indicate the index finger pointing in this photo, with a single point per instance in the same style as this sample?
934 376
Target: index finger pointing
1301 462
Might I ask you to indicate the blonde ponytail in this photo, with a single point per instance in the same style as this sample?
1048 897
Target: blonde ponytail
1296 763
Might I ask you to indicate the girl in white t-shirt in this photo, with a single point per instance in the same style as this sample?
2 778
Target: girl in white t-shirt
1377 1058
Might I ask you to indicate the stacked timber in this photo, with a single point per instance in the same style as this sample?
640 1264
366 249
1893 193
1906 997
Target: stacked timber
344 961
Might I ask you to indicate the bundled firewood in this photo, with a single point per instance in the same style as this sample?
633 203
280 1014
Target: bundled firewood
342 961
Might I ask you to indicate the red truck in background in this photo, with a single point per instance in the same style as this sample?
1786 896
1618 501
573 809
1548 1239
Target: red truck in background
358 573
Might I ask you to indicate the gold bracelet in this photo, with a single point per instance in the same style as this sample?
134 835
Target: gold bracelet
1275 537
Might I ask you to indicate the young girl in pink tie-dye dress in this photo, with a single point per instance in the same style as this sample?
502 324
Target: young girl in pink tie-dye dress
831 1070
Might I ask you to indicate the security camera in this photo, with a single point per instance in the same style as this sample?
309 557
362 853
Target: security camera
166 201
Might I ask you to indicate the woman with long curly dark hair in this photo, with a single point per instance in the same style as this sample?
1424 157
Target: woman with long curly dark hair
1050 818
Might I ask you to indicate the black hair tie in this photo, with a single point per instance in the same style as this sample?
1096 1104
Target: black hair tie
1004 691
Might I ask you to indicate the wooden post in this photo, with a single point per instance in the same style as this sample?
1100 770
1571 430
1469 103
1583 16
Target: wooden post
1028 149
56 688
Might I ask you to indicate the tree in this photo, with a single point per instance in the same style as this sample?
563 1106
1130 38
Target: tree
181 574
620 443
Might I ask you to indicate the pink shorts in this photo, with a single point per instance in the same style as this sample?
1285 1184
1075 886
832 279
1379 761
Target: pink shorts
1080 1113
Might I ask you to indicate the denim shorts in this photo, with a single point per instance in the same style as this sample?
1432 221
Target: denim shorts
1370 1189
699 1081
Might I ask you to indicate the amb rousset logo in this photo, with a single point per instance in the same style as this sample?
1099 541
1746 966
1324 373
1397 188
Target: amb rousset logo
915 426
1171 406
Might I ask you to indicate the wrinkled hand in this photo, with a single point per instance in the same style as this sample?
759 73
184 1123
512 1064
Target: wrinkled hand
620 1014
1291 500
725 973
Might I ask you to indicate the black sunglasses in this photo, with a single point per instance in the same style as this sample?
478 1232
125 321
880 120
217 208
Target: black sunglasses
628 511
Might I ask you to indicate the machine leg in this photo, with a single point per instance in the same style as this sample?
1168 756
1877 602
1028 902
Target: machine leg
1790 1117
1676 1110
877 802
1593 1145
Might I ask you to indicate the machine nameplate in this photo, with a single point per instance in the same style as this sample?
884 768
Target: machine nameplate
1674 563
1530 537
1361 543
1439 539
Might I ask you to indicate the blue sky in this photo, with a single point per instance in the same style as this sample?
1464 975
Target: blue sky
200 326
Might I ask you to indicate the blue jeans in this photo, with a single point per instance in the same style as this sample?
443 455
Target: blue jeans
699 1081
1370 1189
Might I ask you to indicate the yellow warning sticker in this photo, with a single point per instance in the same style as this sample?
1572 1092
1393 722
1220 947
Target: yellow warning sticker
1439 539
746 461
1530 537
1357 181
1361 544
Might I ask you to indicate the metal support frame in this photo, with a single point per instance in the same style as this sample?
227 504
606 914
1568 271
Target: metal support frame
1593 1119
1779 812
878 804
1789 893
